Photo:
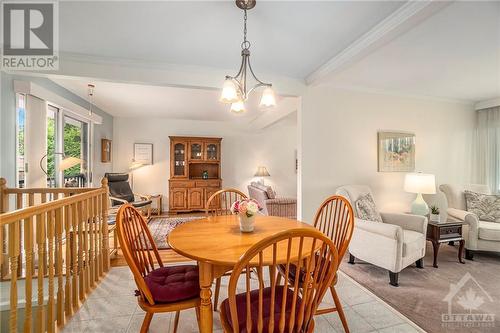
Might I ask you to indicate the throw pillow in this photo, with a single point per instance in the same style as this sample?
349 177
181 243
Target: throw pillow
485 206
366 209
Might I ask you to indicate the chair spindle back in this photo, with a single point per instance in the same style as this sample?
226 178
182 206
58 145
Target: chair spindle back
335 218
220 202
138 246
307 249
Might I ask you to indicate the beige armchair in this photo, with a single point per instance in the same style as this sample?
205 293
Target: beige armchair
394 244
272 205
479 235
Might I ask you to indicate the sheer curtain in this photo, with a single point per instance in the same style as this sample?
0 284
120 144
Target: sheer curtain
488 147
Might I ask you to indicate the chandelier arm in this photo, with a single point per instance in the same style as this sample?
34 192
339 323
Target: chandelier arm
258 85
255 77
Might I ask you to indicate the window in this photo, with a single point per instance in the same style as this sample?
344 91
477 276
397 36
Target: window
69 136
20 135
76 145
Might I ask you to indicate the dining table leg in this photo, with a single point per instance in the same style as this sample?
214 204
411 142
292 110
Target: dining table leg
206 313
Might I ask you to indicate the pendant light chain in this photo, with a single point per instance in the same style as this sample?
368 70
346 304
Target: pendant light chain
246 43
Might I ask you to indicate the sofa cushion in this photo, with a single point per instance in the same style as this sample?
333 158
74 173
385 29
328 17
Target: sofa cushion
489 231
366 209
174 283
412 242
455 193
485 207
241 304
268 189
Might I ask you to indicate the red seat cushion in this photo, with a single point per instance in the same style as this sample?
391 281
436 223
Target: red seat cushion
266 310
174 283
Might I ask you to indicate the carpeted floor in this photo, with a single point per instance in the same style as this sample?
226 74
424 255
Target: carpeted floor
421 293
160 227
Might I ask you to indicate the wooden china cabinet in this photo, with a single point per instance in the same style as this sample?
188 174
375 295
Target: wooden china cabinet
195 172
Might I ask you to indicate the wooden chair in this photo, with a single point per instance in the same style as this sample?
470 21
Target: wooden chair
219 204
274 307
141 254
335 219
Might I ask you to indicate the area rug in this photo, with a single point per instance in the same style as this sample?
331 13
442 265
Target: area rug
161 227
451 298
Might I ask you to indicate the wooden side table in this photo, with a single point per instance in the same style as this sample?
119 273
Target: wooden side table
157 199
445 232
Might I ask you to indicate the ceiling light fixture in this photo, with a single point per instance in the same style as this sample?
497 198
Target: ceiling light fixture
235 90
90 93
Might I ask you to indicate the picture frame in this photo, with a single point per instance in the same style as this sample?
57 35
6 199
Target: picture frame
143 153
396 151
105 150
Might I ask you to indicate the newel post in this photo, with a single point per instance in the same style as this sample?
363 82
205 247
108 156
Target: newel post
104 214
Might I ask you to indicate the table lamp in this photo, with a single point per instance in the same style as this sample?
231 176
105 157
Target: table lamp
262 172
420 183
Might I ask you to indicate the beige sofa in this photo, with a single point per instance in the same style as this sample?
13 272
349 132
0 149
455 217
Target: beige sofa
272 205
394 244
479 235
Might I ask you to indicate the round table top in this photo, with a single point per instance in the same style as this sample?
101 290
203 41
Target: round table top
218 240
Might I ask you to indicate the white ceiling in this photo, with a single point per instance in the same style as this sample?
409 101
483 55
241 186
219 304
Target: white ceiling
290 38
134 100
453 54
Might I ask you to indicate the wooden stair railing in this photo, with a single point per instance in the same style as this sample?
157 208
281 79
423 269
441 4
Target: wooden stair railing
54 234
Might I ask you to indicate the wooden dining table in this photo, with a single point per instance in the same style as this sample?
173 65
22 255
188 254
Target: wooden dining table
217 244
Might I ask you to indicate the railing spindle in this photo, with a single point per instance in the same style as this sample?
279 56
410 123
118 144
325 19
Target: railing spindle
14 261
67 234
59 266
28 244
41 243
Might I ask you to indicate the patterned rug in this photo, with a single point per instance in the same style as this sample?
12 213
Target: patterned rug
161 227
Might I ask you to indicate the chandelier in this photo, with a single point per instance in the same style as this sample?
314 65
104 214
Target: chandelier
235 90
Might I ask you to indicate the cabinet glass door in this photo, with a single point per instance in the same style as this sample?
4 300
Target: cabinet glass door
179 159
196 151
212 151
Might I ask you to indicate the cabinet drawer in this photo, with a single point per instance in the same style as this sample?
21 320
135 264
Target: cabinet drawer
181 184
450 232
207 183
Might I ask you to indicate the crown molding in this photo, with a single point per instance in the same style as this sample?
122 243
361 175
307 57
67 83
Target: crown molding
490 103
403 19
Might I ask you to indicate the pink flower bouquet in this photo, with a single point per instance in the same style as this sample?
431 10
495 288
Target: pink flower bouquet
245 207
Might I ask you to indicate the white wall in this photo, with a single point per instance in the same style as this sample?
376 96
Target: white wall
242 151
339 143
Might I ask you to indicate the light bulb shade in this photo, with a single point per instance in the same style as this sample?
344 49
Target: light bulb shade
262 172
69 162
420 183
135 165
268 99
238 107
229 92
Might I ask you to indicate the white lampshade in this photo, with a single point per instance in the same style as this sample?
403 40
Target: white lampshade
69 162
423 183
238 107
229 92
268 98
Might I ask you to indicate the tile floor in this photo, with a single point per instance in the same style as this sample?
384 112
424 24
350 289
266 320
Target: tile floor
112 308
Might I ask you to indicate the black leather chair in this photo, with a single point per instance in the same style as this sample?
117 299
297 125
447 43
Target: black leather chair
121 193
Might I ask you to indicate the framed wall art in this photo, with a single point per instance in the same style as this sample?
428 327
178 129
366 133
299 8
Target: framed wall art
105 150
143 153
396 152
